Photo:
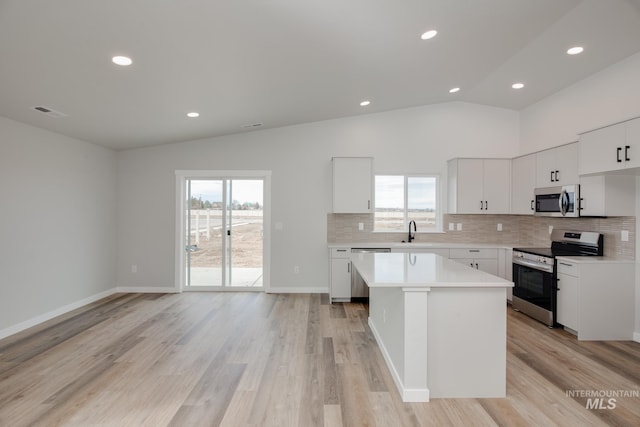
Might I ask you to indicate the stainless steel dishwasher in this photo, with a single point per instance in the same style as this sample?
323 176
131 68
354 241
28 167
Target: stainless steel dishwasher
359 288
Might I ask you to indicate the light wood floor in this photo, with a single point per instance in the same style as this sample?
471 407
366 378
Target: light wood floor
251 359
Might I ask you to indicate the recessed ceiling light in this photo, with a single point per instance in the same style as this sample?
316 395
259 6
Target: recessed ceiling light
517 85
575 50
454 90
122 60
365 103
193 114
428 34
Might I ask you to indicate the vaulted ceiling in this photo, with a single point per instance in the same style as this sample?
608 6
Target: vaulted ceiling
256 64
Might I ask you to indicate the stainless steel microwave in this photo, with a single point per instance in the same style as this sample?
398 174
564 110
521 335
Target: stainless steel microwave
561 201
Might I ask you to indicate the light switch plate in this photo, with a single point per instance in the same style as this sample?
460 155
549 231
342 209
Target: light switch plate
361 226
459 226
624 235
451 226
499 227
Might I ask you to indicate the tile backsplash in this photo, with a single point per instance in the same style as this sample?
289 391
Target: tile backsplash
517 230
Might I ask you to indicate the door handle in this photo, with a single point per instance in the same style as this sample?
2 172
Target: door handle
532 208
618 150
626 153
481 205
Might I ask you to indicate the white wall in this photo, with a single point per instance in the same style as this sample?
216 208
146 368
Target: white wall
412 140
57 223
608 97
611 96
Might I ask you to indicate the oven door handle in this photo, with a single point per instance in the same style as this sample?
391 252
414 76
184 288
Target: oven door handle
533 265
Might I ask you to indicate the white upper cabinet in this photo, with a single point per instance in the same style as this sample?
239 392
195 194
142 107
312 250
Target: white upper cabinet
523 184
479 186
352 184
608 195
557 166
610 149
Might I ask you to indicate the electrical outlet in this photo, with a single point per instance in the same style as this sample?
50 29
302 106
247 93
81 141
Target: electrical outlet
361 226
624 235
499 227
296 270
134 268
451 226
459 226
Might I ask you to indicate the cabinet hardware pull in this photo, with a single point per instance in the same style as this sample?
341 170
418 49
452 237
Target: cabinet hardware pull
565 264
532 208
486 205
368 204
557 178
618 150
471 264
552 176
481 205
341 250
474 250
626 153
476 265
349 268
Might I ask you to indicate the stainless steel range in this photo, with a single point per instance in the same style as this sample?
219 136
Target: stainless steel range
535 272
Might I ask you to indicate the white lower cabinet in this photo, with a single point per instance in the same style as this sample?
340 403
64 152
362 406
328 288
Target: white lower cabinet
490 260
596 299
567 295
505 268
481 259
340 286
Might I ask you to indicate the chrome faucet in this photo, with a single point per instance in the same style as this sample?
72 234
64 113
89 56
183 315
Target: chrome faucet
415 229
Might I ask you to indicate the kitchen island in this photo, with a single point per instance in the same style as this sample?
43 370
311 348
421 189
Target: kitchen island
440 325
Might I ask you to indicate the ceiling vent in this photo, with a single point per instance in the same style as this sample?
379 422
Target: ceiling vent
252 125
49 112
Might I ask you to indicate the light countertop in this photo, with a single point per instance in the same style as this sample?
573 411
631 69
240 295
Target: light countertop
594 260
421 270
418 245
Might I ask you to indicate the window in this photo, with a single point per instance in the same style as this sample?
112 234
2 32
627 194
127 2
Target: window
402 198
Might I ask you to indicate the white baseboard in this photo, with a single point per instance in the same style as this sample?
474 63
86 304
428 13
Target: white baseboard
408 395
297 290
636 336
146 290
54 313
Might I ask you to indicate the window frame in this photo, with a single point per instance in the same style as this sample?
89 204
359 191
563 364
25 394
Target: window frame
438 198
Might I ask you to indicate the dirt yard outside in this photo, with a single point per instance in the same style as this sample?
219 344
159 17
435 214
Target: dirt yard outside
247 240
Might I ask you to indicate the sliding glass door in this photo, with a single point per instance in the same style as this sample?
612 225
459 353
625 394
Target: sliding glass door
224 233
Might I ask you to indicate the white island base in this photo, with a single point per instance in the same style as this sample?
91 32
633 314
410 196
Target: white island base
440 325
